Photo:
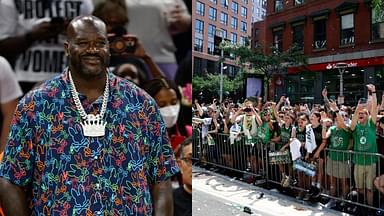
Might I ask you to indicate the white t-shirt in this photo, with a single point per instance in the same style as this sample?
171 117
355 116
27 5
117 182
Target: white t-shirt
9 87
148 20
43 59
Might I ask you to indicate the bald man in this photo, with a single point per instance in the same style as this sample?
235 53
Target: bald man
87 142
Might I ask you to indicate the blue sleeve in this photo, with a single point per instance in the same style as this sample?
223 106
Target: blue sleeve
17 165
162 164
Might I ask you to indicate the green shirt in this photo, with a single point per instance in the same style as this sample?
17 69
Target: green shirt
339 140
364 140
264 133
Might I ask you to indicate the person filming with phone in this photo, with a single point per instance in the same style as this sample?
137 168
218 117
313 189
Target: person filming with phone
363 129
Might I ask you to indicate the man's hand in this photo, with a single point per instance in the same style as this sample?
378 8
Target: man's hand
379 183
371 88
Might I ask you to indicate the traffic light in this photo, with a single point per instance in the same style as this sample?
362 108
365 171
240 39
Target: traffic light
216 49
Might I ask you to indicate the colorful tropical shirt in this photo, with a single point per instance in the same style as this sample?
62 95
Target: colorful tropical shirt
67 173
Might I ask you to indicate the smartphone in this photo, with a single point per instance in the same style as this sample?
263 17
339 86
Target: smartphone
363 101
130 42
247 109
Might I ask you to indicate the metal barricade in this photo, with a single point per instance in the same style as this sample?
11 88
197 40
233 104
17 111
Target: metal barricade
347 176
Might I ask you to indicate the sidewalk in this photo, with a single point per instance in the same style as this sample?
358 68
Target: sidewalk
258 199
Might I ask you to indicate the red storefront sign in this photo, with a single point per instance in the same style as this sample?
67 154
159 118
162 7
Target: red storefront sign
333 65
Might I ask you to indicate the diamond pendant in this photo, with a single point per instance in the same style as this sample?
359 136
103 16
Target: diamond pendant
93 126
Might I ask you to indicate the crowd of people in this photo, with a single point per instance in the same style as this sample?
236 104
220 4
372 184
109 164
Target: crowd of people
95 102
325 148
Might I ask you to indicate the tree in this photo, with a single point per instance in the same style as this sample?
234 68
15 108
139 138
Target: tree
274 63
209 85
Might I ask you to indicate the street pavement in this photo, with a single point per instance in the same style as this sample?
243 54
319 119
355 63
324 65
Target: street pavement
218 195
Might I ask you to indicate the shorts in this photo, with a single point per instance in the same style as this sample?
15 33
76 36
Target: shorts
364 176
338 169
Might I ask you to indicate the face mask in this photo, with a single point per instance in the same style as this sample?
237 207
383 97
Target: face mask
170 114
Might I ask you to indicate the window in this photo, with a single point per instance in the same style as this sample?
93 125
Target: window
347 30
278 5
278 40
214 1
243 12
245 1
211 47
377 25
233 38
320 34
211 30
235 7
298 36
224 3
199 26
224 18
198 45
200 8
234 22
242 40
212 13
299 2
243 27
224 32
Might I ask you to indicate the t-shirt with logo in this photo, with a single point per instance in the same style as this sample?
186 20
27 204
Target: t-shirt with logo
364 140
339 140
44 59
264 133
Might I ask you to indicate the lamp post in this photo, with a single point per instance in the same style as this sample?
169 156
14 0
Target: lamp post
221 65
341 66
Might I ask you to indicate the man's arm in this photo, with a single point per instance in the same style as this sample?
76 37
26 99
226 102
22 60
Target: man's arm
13 199
356 116
162 198
7 110
373 110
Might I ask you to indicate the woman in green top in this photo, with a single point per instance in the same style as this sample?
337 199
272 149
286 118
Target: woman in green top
337 166
286 128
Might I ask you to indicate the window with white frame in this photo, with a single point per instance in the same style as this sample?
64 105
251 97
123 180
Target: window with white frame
233 38
235 7
199 26
234 22
347 30
212 13
242 40
200 8
299 2
243 27
224 3
243 12
278 40
278 5
210 47
198 45
211 30
377 24
224 18
214 1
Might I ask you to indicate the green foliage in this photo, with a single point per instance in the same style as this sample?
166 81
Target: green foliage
210 84
378 7
276 62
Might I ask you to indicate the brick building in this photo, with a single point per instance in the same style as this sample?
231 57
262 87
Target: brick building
232 17
332 34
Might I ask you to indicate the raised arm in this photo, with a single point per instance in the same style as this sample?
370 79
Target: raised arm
355 117
373 110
